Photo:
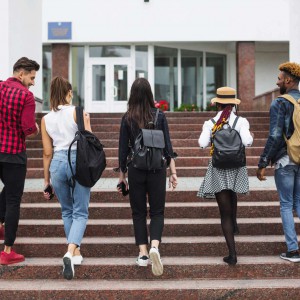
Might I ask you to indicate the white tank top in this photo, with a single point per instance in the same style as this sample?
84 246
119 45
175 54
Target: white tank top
61 127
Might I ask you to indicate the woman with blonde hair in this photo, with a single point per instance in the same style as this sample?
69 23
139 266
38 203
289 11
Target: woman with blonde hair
224 183
58 129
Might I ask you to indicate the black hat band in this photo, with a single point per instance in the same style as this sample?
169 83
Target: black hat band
226 96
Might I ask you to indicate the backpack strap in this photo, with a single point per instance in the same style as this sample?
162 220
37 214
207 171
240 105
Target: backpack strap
79 118
156 117
290 99
235 121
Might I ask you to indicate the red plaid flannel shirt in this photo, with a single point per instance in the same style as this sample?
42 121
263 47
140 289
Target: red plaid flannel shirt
17 116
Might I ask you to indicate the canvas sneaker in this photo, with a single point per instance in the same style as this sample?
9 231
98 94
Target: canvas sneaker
142 261
68 266
157 266
77 260
291 256
2 233
11 258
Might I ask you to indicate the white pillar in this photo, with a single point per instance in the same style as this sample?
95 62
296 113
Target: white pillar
294 31
21 35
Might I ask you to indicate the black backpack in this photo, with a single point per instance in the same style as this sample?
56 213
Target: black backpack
147 151
90 156
229 151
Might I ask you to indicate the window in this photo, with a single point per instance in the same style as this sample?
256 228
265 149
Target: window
141 62
191 77
166 82
215 73
78 75
47 75
109 51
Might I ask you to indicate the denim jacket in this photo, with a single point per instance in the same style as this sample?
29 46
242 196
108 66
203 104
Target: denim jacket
128 135
281 123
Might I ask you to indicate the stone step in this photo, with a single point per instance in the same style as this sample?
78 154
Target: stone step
114 143
262 289
122 210
181 151
206 114
173 227
184 134
171 246
181 161
115 128
180 197
178 120
125 268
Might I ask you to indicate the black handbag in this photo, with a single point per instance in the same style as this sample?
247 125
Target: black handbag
147 151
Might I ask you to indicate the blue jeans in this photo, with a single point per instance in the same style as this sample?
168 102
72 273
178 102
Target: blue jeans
287 181
74 206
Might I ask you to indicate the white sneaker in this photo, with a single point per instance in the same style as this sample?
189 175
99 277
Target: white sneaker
142 261
77 260
157 266
68 266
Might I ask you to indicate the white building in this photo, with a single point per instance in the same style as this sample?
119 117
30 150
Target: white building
186 49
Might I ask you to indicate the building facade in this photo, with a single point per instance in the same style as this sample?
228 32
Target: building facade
186 49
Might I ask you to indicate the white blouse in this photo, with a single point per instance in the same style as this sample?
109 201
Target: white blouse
242 126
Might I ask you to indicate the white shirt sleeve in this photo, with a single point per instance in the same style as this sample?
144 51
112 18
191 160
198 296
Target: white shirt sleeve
244 131
204 139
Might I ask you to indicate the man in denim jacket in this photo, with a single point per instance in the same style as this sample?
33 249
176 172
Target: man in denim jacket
287 173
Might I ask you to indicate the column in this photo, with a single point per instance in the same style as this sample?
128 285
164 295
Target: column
60 60
245 55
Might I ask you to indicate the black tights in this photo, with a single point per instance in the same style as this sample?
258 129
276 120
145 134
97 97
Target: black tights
227 202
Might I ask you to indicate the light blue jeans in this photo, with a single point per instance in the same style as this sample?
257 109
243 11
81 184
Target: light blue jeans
287 181
74 206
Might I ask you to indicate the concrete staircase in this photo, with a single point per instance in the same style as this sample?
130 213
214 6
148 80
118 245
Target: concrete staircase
192 248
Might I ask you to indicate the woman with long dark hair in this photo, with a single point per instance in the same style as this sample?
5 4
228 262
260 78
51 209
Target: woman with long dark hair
224 183
143 183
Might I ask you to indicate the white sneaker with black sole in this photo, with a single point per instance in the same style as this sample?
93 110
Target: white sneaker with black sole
142 261
77 260
157 266
68 266
291 256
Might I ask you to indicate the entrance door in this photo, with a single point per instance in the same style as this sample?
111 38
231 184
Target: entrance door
108 84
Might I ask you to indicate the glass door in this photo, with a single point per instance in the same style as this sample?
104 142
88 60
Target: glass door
108 86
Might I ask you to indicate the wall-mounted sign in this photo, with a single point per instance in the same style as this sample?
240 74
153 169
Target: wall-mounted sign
59 30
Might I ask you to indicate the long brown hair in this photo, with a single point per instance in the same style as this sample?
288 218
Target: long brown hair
59 90
140 103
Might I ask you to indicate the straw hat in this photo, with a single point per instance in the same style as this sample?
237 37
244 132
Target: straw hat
226 95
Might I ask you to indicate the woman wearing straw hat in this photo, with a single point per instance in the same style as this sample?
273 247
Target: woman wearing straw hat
223 184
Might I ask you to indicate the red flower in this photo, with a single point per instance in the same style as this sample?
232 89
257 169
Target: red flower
162 104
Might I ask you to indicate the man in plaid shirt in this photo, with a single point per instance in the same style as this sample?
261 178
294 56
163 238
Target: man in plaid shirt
17 121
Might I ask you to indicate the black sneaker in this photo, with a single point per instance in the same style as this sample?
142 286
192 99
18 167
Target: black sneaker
291 256
68 266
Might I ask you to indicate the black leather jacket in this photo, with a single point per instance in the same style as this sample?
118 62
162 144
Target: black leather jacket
129 133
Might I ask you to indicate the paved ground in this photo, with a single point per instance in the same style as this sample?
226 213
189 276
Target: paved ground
185 184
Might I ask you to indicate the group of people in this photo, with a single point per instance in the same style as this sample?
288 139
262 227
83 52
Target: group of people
58 127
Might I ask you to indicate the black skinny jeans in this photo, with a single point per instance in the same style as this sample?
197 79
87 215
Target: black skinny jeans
141 184
13 178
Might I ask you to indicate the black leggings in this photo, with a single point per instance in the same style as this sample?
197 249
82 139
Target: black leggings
141 184
13 178
227 202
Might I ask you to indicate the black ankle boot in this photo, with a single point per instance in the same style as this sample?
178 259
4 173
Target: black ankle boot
230 260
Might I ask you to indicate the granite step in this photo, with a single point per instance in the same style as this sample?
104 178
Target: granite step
125 268
122 210
181 161
114 143
172 246
262 289
182 227
181 151
182 197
